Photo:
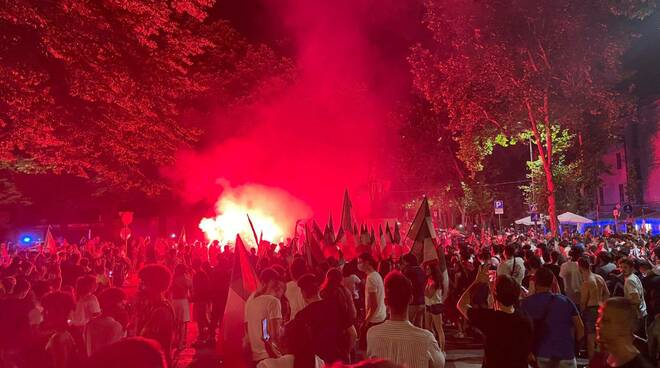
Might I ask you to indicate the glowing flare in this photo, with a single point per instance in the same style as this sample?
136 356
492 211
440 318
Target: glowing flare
273 212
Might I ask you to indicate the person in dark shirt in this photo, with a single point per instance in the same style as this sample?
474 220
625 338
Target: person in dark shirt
617 320
417 277
509 336
329 324
201 302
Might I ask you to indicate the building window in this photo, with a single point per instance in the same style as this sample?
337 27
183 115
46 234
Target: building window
601 195
618 160
622 198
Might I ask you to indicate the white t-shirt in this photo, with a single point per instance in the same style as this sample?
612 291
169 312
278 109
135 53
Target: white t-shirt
102 331
257 309
86 308
374 284
294 295
506 268
633 285
285 361
572 277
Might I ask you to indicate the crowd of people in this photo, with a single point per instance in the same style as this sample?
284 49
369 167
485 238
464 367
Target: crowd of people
530 300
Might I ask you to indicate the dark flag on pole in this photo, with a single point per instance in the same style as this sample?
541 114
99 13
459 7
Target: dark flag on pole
423 235
346 216
397 233
49 242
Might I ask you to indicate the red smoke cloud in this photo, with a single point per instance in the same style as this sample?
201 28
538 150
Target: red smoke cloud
321 134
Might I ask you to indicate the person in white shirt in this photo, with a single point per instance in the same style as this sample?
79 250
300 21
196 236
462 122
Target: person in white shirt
262 305
513 266
105 329
396 339
633 289
87 305
570 273
293 294
374 296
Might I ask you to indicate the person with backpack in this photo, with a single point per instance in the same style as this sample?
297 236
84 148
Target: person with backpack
512 266
155 315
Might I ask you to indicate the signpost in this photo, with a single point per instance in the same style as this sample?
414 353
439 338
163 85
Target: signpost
616 212
499 211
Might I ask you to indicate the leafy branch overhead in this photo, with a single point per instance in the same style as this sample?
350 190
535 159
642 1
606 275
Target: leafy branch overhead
96 88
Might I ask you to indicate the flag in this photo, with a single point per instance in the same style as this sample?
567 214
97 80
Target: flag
397 234
331 226
313 250
346 217
329 235
182 236
388 234
50 243
244 282
372 236
349 247
317 233
423 235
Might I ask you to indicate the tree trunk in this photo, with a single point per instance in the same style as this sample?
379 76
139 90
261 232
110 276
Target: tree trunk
546 158
552 206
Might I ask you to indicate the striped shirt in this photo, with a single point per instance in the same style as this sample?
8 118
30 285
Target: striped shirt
402 343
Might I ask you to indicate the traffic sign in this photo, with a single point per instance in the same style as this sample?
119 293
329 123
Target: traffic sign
125 233
628 209
499 207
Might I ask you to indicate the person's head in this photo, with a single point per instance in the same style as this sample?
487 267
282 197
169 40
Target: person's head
131 352
507 290
576 252
298 268
617 320
8 283
57 308
22 288
656 252
543 279
155 279
272 282
409 260
645 267
398 293
555 256
366 263
534 262
627 266
111 298
309 286
85 285
180 270
604 258
509 251
333 279
584 264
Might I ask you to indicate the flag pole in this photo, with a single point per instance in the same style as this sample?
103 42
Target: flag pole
253 232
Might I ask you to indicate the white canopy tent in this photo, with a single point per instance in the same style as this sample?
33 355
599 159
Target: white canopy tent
573 219
527 221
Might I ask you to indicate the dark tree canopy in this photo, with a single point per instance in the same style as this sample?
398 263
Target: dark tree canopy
96 88
510 66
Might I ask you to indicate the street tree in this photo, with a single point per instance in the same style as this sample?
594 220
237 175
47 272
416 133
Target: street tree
507 66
